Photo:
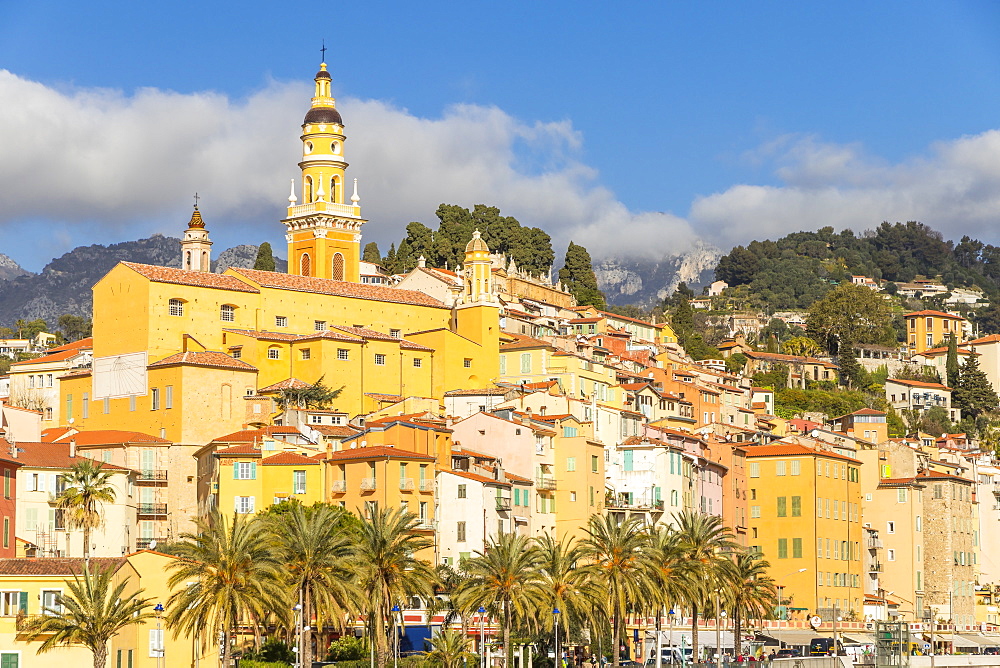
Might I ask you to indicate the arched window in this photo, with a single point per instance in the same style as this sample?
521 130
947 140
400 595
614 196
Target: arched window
305 265
309 190
273 353
227 313
187 260
338 267
334 190
204 260
176 307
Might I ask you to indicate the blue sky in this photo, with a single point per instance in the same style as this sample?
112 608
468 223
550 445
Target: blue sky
633 127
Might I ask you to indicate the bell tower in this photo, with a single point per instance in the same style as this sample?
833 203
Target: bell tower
196 248
324 231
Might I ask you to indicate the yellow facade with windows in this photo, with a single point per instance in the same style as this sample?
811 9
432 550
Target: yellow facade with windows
252 477
805 516
929 329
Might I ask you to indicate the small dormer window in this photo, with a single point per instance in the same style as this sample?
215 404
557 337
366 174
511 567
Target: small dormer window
227 313
176 307
316 419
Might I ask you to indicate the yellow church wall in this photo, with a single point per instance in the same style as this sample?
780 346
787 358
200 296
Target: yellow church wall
451 351
121 312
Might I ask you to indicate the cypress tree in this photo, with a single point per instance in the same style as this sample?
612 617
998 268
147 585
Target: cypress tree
951 364
265 258
852 373
577 274
371 253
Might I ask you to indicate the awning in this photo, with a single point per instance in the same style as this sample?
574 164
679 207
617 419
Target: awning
858 638
794 637
679 636
972 640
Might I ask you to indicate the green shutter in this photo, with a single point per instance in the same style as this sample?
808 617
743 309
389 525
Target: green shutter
796 548
796 506
628 460
22 602
118 659
253 470
782 506
782 548
236 470
8 660
130 659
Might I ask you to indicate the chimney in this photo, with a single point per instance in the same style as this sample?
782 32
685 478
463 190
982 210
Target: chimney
72 448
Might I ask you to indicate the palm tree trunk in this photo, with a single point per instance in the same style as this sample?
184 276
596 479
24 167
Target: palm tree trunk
224 657
694 634
86 546
738 633
616 636
506 633
307 622
101 657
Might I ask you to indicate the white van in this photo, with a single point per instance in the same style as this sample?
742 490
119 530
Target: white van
669 655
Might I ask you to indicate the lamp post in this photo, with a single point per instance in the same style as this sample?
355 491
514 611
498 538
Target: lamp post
482 636
555 618
298 632
718 632
158 609
783 609
395 637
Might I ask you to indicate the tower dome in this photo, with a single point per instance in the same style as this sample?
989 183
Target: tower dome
477 244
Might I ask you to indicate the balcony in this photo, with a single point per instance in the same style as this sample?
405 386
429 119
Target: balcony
24 621
503 503
151 476
144 543
874 543
547 483
875 567
369 484
427 485
338 487
346 210
151 508
424 524
406 484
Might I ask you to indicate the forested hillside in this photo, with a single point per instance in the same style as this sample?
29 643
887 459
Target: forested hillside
800 268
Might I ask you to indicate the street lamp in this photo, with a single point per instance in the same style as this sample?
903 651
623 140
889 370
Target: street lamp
482 636
784 609
298 630
158 609
555 617
395 637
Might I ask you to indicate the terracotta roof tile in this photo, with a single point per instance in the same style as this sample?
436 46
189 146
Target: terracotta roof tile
202 279
287 384
289 459
377 452
109 437
265 336
486 391
325 286
51 357
477 477
790 449
917 383
252 435
75 373
238 450
384 398
56 565
55 433
335 431
937 314
53 456
204 358
82 344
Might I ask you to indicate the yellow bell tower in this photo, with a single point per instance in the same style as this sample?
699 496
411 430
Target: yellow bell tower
324 231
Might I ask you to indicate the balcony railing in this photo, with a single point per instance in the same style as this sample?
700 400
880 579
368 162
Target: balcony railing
23 621
875 567
324 207
151 475
427 485
152 508
545 482
406 484
339 486
144 543
424 524
503 503
368 484
874 543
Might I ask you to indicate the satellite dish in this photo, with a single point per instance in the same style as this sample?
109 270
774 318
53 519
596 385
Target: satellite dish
152 545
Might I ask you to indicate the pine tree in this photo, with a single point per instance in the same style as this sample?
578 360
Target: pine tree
577 275
389 261
371 253
852 373
682 321
974 394
265 258
951 364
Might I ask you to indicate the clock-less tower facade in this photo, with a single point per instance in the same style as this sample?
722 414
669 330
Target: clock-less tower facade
324 230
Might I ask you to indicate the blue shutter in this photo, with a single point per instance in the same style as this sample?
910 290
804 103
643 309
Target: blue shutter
253 470
628 460
236 470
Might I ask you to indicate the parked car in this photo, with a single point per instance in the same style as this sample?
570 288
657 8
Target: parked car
788 653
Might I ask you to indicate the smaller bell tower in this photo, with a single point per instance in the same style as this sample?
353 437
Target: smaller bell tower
196 248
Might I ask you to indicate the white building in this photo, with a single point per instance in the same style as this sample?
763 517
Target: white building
920 396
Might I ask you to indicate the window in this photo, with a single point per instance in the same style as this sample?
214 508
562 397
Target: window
10 603
938 491
919 523
175 307
890 555
48 413
460 530
305 353
754 469
50 601
319 325
796 548
281 321
462 491
379 359
782 506
901 495
571 464
417 362
569 432
244 470
796 506
796 467
85 405
131 403
227 313
467 362
245 504
782 548
298 482
395 333
503 365
69 405
273 354
593 463
890 527
754 512
525 362
342 353
48 380
169 397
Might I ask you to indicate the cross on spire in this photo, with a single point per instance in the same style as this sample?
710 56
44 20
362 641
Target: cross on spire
196 198
323 50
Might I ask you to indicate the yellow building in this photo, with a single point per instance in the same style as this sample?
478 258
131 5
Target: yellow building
253 476
927 329
29 585
805 516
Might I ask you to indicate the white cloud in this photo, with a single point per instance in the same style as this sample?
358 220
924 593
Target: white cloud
954 187
127 165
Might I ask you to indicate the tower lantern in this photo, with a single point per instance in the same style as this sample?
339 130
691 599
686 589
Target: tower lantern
324 226
196 247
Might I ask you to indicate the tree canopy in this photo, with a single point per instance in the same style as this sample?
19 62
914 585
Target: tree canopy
265 258
577 275
850 315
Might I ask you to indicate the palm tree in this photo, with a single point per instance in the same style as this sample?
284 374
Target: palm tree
314 546
568 585
225 574
94 611
450 649
388 570
620 567
504 579
87 487
667 571
752 593
703 542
